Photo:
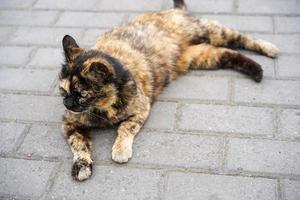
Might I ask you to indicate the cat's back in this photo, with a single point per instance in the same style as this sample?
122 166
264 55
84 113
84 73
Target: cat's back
155 39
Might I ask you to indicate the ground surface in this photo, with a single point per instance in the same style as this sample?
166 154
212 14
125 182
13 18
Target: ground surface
211 136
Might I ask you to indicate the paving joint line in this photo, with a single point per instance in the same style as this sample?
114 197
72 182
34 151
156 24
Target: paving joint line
279 190
21 139
162 185
51 180
224 153
149 10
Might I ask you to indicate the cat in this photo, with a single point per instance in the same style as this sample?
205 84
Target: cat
115 82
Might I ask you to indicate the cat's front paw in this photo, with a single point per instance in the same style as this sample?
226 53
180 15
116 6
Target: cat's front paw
122 151
81 170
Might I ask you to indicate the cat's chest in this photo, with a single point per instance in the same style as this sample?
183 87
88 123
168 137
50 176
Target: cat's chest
98 118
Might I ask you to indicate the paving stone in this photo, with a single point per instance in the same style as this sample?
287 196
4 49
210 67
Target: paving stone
288 66
269 6
291 190
266 63
48 57
89 19
285 43
134 5
9 134
244 23
14 55
192 87
165 149
203 6
27 17
287 24
162 116
27 107
43 36
289 123
28 80
215 187
91 35
232 119
264 156
69 4
108 182
5 32
268 91
45 141
16 3
23 179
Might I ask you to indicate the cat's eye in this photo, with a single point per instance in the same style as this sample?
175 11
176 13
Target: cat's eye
84 94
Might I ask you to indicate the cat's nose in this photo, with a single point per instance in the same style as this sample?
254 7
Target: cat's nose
69 103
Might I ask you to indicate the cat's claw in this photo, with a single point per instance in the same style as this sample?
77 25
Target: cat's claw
121 153
81 170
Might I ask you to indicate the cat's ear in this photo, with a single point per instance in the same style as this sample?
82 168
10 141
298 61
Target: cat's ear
71 48
97 72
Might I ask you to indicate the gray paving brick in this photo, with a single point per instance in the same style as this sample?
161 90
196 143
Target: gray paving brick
192 87
203 6
162 116
91 35
266 63
5 32
136 5
285 43
14 55
291 190
269 6
9 133
16 3
68 4
166 149
287 24
24 79
232 119
268 91
43 36
289 123
24 179
88 19
48 57
288 66
26 107
244 23
45 141
108 182
27 17
264 156
200 186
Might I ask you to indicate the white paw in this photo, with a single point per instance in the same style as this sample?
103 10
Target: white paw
269 49
122 151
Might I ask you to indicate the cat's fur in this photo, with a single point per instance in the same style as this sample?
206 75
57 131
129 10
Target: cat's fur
116 81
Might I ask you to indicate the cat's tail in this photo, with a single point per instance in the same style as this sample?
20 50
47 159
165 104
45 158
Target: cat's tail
180 4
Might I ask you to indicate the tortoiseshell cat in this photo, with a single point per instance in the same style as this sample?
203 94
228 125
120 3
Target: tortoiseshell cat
116 81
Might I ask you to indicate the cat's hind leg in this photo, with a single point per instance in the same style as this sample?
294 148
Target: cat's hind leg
219 35
80 144
205 56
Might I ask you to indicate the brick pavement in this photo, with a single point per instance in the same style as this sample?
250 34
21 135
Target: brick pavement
211 135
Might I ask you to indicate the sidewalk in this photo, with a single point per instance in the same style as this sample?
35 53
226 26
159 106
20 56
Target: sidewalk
212 135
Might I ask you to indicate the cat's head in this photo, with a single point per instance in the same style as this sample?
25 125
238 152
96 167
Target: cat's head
92 79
